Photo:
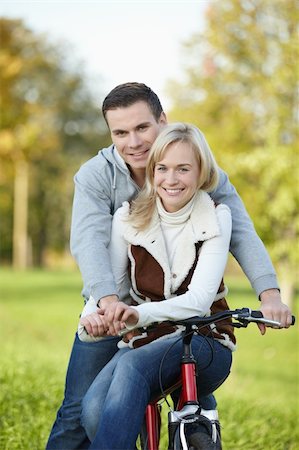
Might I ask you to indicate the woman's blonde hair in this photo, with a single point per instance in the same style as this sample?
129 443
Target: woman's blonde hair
143 206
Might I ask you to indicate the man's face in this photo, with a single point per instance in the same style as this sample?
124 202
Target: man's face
133 130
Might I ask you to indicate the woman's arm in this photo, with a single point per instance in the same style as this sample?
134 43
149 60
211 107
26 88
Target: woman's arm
118 251
93 318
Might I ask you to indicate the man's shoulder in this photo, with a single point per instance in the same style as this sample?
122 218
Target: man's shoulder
98 165
101 159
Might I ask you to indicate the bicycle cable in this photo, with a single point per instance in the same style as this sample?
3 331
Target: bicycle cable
163 393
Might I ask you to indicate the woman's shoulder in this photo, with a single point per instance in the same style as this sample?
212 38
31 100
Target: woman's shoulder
223 208
224 217
205 197
123 210
121 215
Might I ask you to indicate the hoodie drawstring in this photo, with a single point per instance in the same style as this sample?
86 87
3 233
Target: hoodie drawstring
114 177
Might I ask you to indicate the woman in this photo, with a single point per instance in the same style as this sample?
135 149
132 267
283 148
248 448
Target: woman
175 242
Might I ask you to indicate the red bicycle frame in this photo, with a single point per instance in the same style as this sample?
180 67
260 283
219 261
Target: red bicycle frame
188 393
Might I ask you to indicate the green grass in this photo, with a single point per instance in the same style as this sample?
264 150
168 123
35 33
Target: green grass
258 404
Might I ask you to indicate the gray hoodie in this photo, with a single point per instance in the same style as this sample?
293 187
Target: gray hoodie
103 183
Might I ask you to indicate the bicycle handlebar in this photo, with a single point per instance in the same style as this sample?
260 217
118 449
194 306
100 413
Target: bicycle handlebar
243 316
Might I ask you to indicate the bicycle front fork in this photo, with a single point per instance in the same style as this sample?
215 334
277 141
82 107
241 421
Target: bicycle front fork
153 425
188 405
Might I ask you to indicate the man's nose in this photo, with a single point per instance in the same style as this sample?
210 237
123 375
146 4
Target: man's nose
134 140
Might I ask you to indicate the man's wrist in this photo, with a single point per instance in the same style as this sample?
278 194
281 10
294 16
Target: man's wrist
105 301
270 294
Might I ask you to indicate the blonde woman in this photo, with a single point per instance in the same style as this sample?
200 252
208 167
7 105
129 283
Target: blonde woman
173 241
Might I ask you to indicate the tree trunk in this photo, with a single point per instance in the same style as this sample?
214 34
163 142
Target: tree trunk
286 277
287 291
20 218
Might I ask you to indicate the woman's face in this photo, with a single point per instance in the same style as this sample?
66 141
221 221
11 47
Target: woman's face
176 176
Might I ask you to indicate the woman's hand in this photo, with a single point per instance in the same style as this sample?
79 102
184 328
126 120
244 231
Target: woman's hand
94 324
118 316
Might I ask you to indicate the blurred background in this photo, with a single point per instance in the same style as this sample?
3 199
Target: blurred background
228 66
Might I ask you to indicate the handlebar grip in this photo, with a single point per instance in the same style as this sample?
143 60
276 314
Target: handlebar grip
259 315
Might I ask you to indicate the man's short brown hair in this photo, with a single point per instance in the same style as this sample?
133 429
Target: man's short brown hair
127 94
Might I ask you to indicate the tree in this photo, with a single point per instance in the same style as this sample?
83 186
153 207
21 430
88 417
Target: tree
241 90
48 122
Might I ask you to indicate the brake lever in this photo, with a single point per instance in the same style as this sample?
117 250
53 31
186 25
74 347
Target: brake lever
240 325
244 317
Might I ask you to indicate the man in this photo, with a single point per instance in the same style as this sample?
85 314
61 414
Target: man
135 117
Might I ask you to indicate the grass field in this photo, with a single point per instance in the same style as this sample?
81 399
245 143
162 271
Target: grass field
258 404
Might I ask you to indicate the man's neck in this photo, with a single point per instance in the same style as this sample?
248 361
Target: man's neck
138 176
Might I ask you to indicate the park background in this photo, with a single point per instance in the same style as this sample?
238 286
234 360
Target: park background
231 68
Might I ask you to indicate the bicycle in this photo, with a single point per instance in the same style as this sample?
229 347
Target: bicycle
187 415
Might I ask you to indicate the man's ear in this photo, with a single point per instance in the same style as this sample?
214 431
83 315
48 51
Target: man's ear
163 119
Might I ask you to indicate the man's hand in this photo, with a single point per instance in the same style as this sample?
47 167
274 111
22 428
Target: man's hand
116 316
273 308
105 302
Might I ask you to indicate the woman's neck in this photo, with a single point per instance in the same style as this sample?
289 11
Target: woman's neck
177 217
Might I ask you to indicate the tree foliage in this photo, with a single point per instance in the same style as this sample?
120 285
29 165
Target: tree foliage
241 89
49 124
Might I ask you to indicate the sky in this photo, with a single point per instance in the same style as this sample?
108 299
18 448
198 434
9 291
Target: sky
118 41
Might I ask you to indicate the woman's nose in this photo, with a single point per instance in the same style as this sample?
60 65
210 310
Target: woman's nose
171 177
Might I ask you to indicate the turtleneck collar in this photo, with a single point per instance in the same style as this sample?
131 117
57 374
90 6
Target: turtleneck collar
178 217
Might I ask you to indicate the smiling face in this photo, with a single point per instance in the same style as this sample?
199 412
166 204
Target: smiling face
133 130
176 176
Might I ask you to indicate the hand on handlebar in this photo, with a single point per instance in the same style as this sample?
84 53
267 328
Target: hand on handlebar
118 316
273 308
94 324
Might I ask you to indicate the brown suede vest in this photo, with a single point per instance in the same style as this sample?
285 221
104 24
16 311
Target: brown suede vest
149 278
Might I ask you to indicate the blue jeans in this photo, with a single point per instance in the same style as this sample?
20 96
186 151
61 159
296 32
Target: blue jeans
114 406
86 361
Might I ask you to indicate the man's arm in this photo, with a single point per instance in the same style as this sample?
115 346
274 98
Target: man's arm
90 232
251 254
246 246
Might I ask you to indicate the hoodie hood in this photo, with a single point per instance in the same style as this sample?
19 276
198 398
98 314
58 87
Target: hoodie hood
115 161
